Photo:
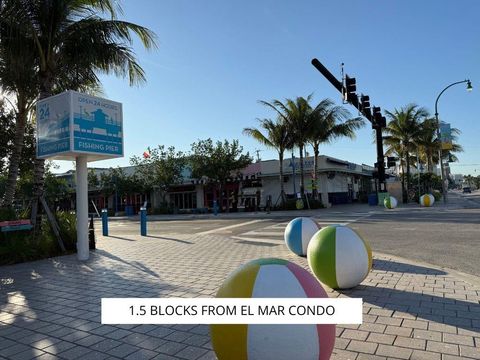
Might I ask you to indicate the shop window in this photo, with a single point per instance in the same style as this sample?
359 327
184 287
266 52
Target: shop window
186 200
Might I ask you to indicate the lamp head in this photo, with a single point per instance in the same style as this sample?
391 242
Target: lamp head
469 85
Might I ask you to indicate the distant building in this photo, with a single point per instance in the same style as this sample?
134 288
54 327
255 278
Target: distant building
458 180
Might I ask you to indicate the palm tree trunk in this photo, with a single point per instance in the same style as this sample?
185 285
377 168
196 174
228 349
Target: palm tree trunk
39 164
404 194
408 173
315 171
302 182
282 185
17 152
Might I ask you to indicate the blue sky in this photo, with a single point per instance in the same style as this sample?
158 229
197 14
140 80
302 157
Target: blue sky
217 58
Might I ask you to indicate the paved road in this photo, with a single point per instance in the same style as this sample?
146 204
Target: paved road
448 237
472 199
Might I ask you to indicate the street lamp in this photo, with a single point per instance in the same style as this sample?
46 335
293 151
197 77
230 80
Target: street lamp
469 88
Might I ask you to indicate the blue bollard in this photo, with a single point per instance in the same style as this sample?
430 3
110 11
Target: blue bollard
215 208
105 222
143 221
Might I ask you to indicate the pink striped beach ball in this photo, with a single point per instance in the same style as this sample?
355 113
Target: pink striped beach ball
275 278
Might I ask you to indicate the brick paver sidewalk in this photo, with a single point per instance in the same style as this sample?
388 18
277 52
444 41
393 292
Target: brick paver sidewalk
51 308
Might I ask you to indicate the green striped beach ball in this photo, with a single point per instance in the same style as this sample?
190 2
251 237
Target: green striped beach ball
390 202
339 257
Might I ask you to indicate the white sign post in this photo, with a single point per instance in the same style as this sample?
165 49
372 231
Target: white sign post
80 127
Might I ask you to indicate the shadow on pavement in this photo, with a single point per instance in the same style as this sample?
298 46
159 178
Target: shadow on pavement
443 310
172 239
135 264
388 265
120 238
257 243
54 305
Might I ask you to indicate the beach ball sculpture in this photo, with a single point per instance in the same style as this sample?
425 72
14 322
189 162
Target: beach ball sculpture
339 257
390 202
427 200
298 233
274 278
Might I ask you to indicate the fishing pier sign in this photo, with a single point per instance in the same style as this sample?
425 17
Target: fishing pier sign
73 124
80 127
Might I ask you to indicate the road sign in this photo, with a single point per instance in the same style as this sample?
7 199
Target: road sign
73 124
446 136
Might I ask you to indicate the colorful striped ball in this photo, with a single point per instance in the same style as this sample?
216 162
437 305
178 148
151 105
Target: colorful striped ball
390 202
275 278
298 233
427 200
339 257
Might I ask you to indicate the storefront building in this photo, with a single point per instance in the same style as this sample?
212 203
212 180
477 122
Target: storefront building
251 189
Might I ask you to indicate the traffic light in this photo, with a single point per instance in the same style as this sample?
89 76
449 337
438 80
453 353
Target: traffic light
383 122
365 106
351 88
391 161
377 116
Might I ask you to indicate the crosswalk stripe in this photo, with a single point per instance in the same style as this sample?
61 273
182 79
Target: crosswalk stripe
222 229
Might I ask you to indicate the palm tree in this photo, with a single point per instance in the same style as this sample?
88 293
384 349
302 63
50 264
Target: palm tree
329 122
276 137
17 80
428 144
400 134
69 37
296 114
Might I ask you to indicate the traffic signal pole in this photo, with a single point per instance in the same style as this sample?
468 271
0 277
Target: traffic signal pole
380 160
377 121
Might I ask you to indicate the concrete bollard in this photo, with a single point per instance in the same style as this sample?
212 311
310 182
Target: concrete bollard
105 222
143 221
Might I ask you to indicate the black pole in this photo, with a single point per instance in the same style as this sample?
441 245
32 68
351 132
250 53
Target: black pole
443 175
91 235
328 75
380 160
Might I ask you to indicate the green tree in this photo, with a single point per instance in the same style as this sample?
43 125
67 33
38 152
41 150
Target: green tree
6 133
402 130
161 169
218 162
17 79
329 122
476 181
469 180
93 180
56 188
8 145
428 144
115 181
295 113
58 31
276 137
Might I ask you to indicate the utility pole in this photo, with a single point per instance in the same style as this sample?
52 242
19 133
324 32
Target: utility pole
363 105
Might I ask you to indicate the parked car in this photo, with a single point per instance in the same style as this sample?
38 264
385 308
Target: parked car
467 190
